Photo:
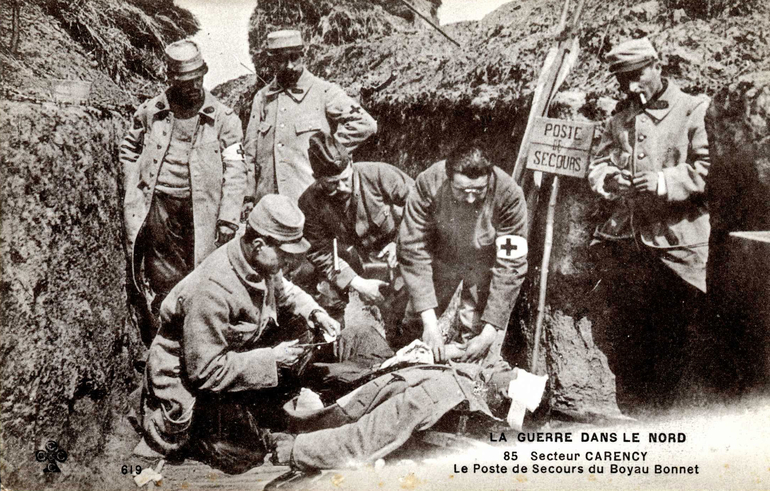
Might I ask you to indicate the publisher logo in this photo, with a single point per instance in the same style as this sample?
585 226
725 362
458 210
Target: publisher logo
51 455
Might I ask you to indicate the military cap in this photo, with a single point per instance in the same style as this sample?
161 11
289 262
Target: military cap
288 39
279 218
184 61
631 55
328 157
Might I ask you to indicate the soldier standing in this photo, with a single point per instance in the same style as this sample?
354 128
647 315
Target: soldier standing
652 163
286 112
184 179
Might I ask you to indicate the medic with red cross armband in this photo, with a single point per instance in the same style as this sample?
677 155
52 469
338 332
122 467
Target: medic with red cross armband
465 221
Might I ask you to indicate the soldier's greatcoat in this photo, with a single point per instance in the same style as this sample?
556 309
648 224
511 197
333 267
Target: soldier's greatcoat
280 126
217 181
369 223
667 136
209 341
443 241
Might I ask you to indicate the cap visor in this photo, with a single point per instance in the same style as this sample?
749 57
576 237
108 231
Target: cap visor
300 247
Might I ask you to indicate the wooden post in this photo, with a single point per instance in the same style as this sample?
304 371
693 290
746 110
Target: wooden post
544 271
558 63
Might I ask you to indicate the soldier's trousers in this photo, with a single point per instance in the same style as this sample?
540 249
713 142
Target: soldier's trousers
380 418
169 253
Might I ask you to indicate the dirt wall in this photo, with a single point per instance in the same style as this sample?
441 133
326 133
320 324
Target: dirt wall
67 353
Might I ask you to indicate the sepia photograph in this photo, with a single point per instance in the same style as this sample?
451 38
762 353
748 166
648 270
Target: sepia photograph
384 245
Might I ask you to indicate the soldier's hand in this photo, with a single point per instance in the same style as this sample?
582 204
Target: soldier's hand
435 341
329 326
389 253
478 347
287 353
369 289
225 233
248 205
618 183
646 182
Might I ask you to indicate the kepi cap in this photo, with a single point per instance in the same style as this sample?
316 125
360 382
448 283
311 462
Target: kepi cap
279 218
631 55
184 61
288 39
328 157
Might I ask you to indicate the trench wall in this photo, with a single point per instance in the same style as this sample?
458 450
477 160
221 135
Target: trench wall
67 350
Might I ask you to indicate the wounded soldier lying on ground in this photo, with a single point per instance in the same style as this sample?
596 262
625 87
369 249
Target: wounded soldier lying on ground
379 416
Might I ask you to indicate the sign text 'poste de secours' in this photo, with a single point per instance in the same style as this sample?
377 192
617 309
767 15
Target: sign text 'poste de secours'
560 147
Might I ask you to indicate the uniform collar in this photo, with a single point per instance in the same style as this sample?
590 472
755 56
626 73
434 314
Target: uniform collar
160 105
298 91
658 108
242 267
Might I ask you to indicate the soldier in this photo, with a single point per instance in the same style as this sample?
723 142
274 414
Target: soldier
652 163
184 179
218 365
284 115
464 221
360 205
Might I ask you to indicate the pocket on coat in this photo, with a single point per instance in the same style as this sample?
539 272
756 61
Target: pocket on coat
308 125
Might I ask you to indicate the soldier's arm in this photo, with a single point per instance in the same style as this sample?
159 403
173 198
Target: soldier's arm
210 362
250 148
601 166
320 236
414 257
688 179
290 296
234 178
354 124
131 148
509 268
395 186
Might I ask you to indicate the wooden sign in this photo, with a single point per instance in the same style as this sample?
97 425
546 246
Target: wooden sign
560 147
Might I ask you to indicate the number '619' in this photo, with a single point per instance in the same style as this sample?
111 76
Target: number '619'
128 469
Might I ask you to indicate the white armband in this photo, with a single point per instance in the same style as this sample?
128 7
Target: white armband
661 184
233 152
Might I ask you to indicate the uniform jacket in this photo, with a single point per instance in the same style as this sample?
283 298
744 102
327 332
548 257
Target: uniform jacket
439 235
370 223
668 136
217 175
280 127
211 324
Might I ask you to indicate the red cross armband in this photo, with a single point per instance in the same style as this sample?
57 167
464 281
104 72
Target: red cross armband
511 246
233 152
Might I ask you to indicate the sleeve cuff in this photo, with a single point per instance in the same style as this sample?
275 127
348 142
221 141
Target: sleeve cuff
344 277
493 321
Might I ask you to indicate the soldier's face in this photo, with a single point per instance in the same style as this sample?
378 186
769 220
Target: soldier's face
189 90
267 257
340 187
469 191
646 81
286 65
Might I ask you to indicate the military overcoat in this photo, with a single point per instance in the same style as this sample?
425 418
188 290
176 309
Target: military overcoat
217 171
667 136
281 123
371 222
209 341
